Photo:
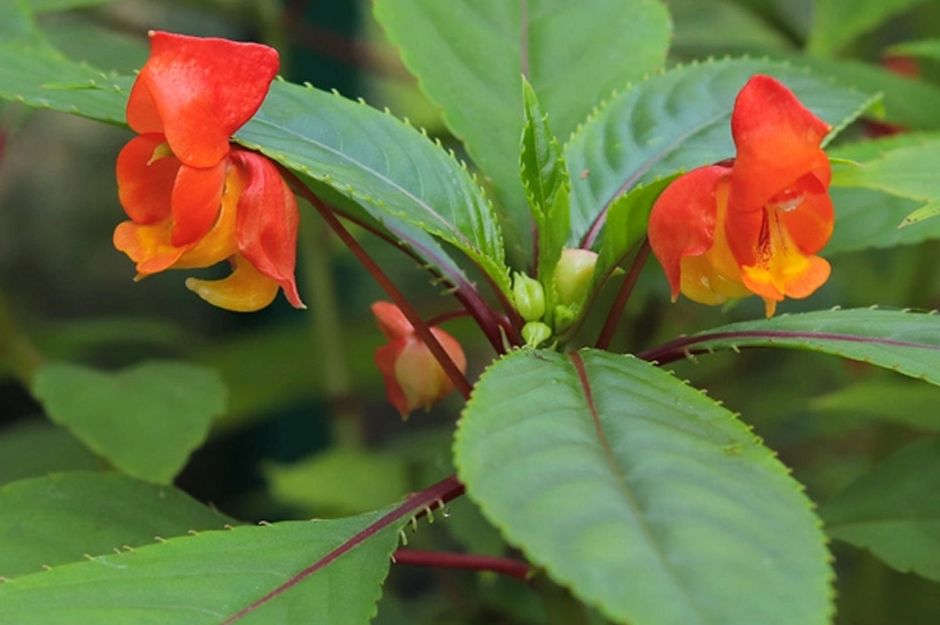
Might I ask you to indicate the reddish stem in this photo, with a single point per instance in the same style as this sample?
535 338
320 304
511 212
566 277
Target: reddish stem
448 316
456 376
414 506
623 295
473 562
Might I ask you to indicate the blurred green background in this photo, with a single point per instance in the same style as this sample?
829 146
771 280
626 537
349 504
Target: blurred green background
307 430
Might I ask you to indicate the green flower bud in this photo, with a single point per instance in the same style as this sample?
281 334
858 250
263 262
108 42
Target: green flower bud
529 297
564 317
535 333
574 274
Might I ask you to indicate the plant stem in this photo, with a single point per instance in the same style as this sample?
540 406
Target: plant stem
415 505
473 562
424 333
623 295
328 332
16 350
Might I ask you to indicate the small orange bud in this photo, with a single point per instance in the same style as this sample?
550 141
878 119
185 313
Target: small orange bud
413 377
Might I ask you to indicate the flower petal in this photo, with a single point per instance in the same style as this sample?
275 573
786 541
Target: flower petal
199 91
196 200
385 357
810 224
145 184
219 243
391 320
267 221
777 139
682 222
147 245
245 290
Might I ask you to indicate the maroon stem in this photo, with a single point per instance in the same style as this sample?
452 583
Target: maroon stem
445 317
623 295
424 333
416 505
684 346
473 562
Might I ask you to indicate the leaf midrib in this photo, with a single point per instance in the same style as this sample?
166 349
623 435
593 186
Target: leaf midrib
457 234
585 384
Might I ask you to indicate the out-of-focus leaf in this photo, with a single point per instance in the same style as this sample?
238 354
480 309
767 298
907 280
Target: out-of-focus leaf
704 27
73 338
145 419
895 401
906 342
633 489
57 519
894 510
339 481
924 49
649 131
838 22
867 219
36 448
84 40
208 578
913 104
469 56
44 6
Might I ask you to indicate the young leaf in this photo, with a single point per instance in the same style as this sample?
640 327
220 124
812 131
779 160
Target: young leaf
894 510
546 184
906 342
384 165
53 520
649 131
635 490
145 420
838 22
627 219
215 577
469 55
925 49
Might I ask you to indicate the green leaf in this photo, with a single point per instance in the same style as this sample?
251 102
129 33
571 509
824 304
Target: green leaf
652 129
208 578
716 27
914 104
838 22
145 419
383 164
892 401
635 490
469 55
627 219
43 6
339 481
925 49
906 342
36 447
546 184
53 520
868 219
894 511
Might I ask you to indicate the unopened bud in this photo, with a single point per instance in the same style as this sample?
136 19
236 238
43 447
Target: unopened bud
574 275
564 317
535 333
529 297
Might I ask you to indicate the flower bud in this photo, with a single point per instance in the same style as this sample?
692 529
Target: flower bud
574 274
529 297
564 317
535 333
413 377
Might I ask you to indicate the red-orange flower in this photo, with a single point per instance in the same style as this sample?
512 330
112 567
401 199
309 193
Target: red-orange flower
194 199
752 225
413 377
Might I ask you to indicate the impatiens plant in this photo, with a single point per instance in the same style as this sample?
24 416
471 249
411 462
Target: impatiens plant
575 463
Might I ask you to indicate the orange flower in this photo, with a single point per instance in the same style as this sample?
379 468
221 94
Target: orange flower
194 199
413 377
752 225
